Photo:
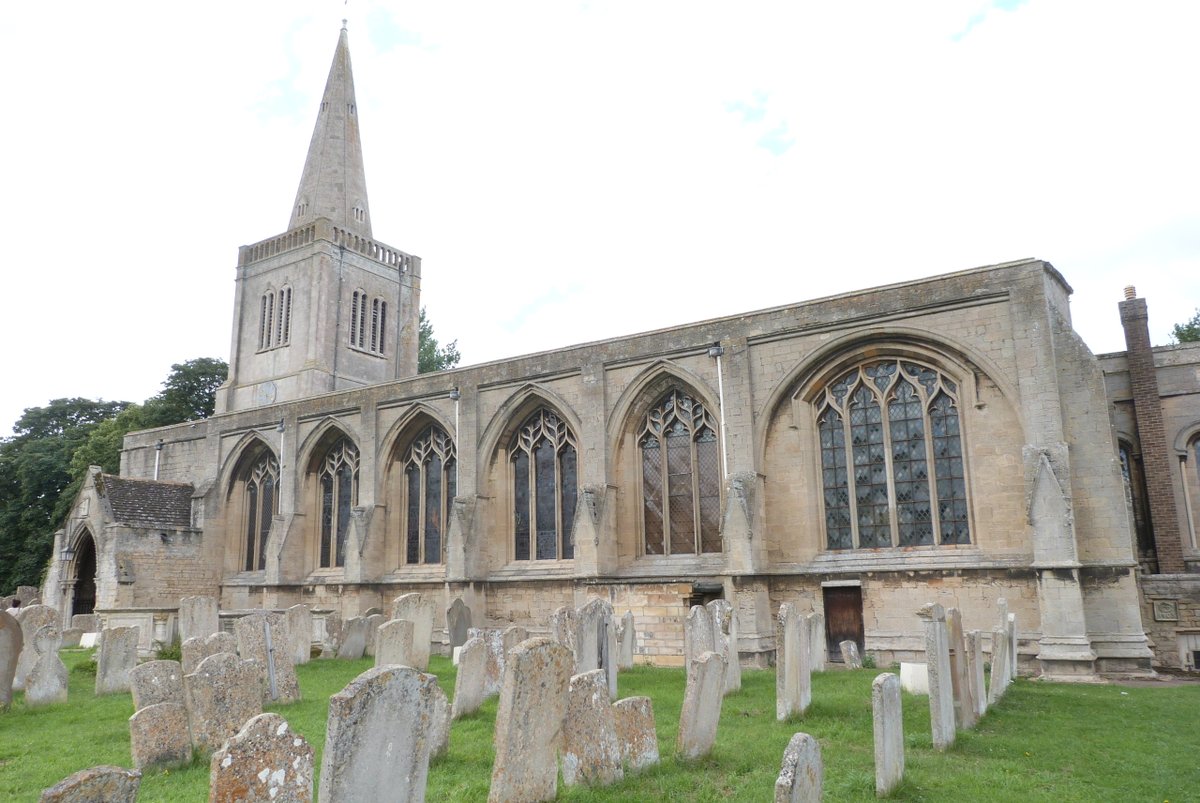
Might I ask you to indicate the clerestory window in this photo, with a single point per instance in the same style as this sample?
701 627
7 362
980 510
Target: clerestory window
338 484
430 477
544 470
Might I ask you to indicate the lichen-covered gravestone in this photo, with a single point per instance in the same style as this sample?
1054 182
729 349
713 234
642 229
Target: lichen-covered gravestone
701 705
393 643
850 657
353 641
591 752
964 704
115 659
975 668
31 620
221 695
628 641
633 718
725 641
937 659
87 622
263 637
801 775
439 724
300 627
458 622
817 641
793 672
195 650
889 733
106 783
378 737
198 617
529 721
493 640
159 736
11 644
511 636
470 683
156 682
266 762
374 622
596 641
418 610
697 635
562 627
47 680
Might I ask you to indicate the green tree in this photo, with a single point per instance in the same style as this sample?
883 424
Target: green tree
188 393
1188 331
431 356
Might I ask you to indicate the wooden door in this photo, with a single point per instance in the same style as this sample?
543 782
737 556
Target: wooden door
843 619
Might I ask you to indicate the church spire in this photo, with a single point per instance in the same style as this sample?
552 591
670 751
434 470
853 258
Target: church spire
334 184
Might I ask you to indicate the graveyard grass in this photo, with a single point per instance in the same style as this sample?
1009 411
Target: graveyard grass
1043 742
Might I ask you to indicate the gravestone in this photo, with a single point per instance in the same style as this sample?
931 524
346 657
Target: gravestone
529 720
701 705
266 762
31 620
1013 652
914 677
470 683
353 642
439 724
596 641
95 784
697 635
817 643
156 682
263 637
850 657
511 636
159 736
393 643
198 617
11 644
964 706
633 717
334 628
793 673
71 637
195 650
889 733
220 696
628 642
115 659
458 622
300 627
941 691
378 737
87 622
493 640
591 752
975 665
802 774
46 682
997 683
725 641
419 610
562 628
374 622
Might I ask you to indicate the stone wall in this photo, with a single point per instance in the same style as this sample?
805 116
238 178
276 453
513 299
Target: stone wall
1171 612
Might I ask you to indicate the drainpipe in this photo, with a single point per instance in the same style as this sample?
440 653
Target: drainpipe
454 397
157 456
715 351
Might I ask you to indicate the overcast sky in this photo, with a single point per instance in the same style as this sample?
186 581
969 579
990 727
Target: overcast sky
577 171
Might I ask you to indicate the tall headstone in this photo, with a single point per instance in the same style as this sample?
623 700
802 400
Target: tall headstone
220 696
802 774
975 667
793 672
196 649
493 640
198 617
817 641
334 629
533 703
596 641
353 642
300 627
941 692
266 762
633 718
701 705
1013 652
562 628
378 736
418 609
105 783
159 736
458 622
470 682
628 642
31 619
156 682
997 683
115 659
374 622
850 656
46 682
889 733
591 752
11 644
725 641
697 635
393 643
263 637
964 706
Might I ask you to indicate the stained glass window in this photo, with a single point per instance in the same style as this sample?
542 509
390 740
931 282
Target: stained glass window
338 481
429 487
545 476
262 502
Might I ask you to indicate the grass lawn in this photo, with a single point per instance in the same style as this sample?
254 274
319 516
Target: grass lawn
1044 742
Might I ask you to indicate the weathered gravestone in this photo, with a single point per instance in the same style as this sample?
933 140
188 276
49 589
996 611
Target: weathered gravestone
439 724
596 641
115 659
697 635
997 683
964 706
46 682
198 617
266 762
458 622
701 705
31 620
374 622
196 649
889 733
353 642
633 717
591 752
11 644
220 696
975 669
627 639
417 609
562 628
378 737
725 641
156 682
1013 652
87 622
937 658
528 733
104 784
393 643
850 657
801 776
511 636
470 683
793 673
159 736
493 640
817 641
334 628
71 637
300 627
263 637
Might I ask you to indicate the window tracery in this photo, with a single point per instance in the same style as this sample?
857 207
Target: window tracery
544 467
430 480
261 495
337 481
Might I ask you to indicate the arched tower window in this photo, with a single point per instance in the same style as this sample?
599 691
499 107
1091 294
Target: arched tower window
275 319
337 480
544 470
358 318
430 478
681 478
283 330
266 321
892 469
368 322
261 503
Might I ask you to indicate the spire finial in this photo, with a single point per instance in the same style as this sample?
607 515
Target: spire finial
343 25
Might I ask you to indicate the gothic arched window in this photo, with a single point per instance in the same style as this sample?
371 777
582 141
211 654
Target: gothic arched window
892 468
544 471
261 495
337 479
430 477
681 478
275 319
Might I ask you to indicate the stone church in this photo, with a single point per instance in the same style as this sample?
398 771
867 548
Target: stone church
950 439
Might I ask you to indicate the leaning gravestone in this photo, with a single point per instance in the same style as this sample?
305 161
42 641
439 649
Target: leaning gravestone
104 784
196 649
697 635
300 626
46 682
469 684
591 752
817 641
533 702
997 683
801 776
964 705
941 692
266 762
221 695
596 641
701 705
418 610
889 733
633 718
159 736
975 668
115 659
198 617
156 682
793 673
31 620
458 622
377 738
725 641
493 640
393 643
850 656
263 638
374 622
353 641
11 644
628 642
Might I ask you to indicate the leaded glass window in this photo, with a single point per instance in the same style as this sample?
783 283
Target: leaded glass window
892 469
338 484
681 478
261 497
544 470
430 476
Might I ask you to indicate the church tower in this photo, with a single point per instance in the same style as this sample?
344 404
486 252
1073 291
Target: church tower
323 306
